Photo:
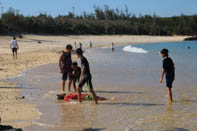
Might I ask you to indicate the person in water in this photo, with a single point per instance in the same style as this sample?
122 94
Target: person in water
168 71
15 47
112 47
76 71
85 77
65 63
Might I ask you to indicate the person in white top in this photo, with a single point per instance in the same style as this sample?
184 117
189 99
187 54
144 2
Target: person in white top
14 46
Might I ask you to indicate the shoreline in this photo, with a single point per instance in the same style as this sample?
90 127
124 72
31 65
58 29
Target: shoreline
32 54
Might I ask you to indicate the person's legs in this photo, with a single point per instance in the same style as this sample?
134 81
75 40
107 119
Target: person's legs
74 85
69 85
169 90
79 94
16 53
64 78
81 84
92 91
63 85
13 53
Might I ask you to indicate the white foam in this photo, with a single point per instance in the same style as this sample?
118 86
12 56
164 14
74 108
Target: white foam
132 49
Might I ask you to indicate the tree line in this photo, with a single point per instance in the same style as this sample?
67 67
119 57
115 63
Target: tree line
101 21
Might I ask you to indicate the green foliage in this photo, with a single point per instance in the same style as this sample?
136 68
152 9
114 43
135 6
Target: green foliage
102 21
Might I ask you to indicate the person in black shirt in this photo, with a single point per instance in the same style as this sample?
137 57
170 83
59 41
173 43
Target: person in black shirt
76 73
85 77
168 71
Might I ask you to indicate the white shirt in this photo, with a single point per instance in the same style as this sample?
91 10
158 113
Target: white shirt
14 44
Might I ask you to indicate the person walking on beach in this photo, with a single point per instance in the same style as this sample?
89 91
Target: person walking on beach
168 71
14 46
85 77
90 44
75 45
112 47
65 63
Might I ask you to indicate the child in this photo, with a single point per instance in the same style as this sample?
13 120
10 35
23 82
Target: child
85 76
169 71
65 63
76 72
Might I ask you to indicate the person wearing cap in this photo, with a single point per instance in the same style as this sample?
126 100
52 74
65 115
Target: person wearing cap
85 77
168 71
65 63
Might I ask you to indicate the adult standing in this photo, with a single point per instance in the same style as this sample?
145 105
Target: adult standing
14 46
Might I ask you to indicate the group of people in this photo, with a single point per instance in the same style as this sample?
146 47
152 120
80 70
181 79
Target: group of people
70 71
74 73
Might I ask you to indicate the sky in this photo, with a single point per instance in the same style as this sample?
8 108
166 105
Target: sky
163 8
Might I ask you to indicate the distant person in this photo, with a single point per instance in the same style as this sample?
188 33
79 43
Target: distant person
80 45
168 71
188 47
112 47
85 77
75 45
91 44
65 63
76 71
15 47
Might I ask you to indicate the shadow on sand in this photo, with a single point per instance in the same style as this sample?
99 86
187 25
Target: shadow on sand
133 104
177 129
11 87
93 129
119 92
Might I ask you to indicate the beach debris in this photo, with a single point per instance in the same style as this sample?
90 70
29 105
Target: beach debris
22 97
61 96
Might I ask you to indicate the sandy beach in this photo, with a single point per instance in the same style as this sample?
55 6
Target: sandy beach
31 53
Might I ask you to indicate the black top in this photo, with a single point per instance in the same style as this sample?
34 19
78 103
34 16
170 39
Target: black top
168 66
66 62
85 63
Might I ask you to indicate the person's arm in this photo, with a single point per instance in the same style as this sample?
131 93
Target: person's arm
60 64
162 75
82 72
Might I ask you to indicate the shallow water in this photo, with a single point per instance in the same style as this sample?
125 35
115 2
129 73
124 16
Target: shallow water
133 79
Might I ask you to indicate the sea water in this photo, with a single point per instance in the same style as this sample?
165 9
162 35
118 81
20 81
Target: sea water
131 74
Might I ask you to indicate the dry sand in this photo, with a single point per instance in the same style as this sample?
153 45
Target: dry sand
17 112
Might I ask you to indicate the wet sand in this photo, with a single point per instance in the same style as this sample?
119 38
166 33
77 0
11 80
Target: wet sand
140 101
32 53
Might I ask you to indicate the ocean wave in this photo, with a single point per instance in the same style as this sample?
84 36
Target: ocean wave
132 49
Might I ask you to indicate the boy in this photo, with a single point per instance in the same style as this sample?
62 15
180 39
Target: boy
65 63
169 71
76 74
85 76
14 46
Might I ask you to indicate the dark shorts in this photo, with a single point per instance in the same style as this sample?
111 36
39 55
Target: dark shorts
86 80
169 80
65 76
14 50
74 78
